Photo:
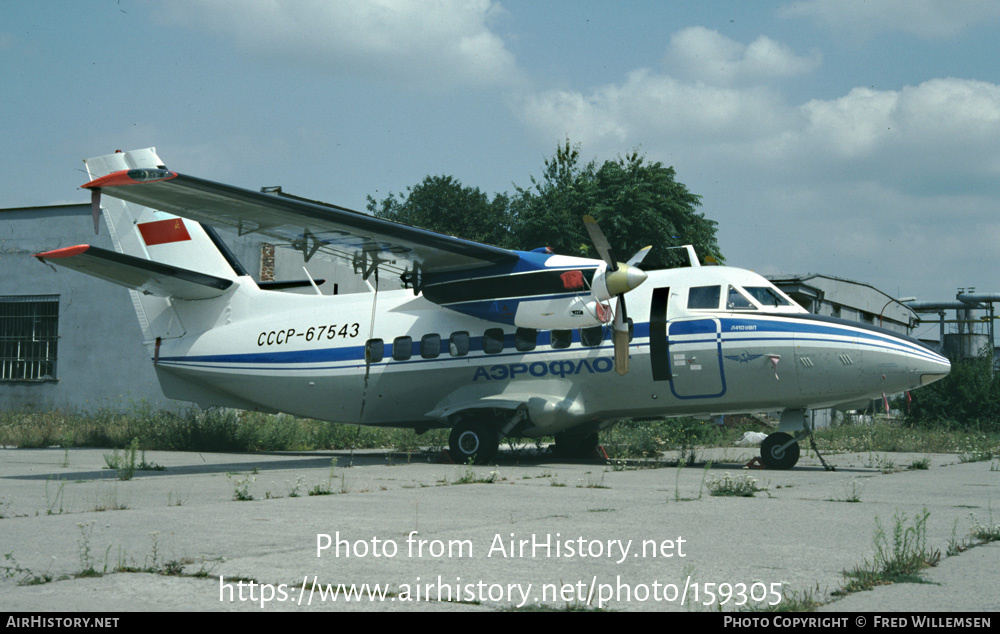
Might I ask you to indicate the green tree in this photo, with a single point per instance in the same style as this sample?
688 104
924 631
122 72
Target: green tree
635 202
443 204
969 397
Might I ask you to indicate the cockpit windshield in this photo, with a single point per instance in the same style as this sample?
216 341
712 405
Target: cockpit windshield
766 296
738 301
736 297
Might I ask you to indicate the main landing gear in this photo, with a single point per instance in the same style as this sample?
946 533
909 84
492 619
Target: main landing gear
473 441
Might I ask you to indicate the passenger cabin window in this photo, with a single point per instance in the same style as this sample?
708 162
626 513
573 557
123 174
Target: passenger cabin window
766 296
430 346
402 348
704 297
592 337
493 341
561 338
374 350
458 344
525 339
737 301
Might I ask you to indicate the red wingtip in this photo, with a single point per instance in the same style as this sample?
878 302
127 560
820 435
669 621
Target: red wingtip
130 177
65 252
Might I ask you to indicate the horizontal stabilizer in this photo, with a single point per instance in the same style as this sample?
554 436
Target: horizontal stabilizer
145 276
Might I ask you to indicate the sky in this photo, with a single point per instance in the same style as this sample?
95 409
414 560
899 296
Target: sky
850 138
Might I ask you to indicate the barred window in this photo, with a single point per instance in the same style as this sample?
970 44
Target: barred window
29 331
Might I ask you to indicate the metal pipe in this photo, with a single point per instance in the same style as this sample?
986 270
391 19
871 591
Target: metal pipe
971 298
933 307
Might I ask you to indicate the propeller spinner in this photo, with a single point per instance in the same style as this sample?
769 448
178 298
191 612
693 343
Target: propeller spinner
618 279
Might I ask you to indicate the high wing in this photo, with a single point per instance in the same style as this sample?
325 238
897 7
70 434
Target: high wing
366 241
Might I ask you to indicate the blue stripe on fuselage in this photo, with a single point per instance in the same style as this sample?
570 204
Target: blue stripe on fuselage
782 328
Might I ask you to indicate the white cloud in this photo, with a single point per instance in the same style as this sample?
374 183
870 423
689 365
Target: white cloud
709 56
433 44
924 18
655 109
893 187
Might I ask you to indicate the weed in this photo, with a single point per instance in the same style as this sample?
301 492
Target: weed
124 465
25 577
591 483
954 545
241 488
985 533
805 601
742 485
921 465
56 499
294 491
107 500
83 549
976 454
883 463
471 477
677 477
852 492
900 561
327 488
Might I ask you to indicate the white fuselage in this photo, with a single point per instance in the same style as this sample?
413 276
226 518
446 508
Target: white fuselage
306 355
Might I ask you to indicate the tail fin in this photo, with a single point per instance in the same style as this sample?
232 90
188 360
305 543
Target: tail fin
167 262
155 235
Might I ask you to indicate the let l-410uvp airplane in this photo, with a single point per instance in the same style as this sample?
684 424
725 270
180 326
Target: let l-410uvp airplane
487 341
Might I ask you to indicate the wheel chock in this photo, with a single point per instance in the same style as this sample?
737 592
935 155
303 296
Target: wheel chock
754 464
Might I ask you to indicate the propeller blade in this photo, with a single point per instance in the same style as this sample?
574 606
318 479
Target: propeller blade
639 256
619 337
597 237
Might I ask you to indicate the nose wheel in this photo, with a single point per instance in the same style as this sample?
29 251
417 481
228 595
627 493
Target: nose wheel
779 451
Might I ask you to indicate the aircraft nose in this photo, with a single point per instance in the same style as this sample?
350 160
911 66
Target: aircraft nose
929 366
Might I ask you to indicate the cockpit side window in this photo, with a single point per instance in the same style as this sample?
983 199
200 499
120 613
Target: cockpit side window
737 301
767 296
704 297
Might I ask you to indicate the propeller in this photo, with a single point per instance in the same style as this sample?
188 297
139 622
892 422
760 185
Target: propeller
619 279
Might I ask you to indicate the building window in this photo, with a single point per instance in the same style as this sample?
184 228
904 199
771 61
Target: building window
29 331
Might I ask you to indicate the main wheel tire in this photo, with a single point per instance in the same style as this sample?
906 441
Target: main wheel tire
773 456
473 441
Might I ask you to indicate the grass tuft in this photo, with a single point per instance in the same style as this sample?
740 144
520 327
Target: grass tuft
898 561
